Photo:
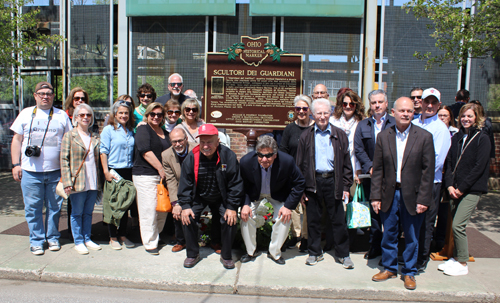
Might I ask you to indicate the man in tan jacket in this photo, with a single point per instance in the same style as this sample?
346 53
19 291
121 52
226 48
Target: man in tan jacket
172 160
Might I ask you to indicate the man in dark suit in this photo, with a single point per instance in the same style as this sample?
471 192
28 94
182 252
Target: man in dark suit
272 175
364 147
402 182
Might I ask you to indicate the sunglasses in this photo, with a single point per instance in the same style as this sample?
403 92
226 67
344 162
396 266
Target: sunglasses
173 84
146 95
170 112
79 99
85 115
124 103
298 108
415 97
348 104
261 155
191 109
153 115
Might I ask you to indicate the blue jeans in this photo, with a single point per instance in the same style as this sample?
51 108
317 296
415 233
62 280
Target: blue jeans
411 227
39 190
82 206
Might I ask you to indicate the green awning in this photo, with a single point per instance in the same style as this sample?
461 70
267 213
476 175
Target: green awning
137 8
308 8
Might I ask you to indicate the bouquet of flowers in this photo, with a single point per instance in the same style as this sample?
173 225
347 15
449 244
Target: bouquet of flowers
264 222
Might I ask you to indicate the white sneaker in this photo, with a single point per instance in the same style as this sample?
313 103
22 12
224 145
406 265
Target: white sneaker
92 245
456 269
81 249
446 264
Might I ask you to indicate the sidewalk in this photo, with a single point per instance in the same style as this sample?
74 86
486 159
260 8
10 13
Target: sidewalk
134 268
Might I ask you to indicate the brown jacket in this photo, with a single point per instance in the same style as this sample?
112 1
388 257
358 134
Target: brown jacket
342 160
72 152
417 169
172 169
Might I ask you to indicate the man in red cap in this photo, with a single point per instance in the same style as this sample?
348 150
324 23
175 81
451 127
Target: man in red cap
210 176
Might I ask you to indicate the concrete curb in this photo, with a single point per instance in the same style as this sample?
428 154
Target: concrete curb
271 291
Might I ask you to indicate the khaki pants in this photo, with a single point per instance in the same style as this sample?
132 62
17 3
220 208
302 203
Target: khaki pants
151 222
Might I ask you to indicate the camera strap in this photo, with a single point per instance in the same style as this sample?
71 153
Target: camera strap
46 129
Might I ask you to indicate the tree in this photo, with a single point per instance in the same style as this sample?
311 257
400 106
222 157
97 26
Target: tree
460 34
19 38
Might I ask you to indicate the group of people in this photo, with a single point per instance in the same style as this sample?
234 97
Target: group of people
310 172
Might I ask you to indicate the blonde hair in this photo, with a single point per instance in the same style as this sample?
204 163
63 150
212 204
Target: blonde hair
479 123
152 106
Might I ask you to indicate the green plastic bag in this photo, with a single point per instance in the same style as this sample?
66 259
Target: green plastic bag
358 211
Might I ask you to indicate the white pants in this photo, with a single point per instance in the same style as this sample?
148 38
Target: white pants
151 222
278 236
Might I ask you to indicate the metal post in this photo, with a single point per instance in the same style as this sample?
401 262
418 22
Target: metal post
215 34
381 53
361 49
130 55
282 33
273 36
370 49
469 59
122 47
206 33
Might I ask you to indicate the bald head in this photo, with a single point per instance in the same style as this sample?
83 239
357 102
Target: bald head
320 91
403 113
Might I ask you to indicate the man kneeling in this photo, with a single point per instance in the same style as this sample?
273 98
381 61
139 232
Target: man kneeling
259 170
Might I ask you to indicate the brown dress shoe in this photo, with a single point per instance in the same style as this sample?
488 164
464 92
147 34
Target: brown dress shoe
191 262
410 282
216 247
384 275
228 264
178 247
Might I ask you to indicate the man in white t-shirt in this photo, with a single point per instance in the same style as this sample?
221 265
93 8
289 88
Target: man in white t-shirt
36 145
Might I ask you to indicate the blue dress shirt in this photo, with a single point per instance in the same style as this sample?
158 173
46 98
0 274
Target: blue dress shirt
265 186
323 149
118 145
441 139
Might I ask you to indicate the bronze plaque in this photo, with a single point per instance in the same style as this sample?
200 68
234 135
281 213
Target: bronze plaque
251 84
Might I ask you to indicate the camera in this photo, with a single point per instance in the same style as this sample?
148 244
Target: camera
32 151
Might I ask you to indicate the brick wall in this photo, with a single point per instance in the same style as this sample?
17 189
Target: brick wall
238 143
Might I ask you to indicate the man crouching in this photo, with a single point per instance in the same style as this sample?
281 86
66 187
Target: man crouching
210 176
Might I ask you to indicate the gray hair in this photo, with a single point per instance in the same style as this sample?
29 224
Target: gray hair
321 101
175 74
119 103
266 142
77 111
377 92
303 98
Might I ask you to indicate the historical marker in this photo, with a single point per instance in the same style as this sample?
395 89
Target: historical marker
252 84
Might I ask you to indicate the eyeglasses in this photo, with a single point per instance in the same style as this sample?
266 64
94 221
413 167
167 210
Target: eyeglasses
146 95
416 97
348 104
170 112
298 108
191 109
79 99
124 103
174 142
85 115
44 94
153 115
173 84
261 155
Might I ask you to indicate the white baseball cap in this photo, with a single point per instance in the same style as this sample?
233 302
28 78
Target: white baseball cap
431 92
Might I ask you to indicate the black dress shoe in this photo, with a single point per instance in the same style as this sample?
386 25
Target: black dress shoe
372 254
228 264
279 261
422 266
191 262
153 251
247 258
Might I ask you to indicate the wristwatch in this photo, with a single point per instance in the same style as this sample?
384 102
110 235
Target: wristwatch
17 164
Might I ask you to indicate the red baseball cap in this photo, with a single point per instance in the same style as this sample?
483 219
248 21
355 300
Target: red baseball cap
207 130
